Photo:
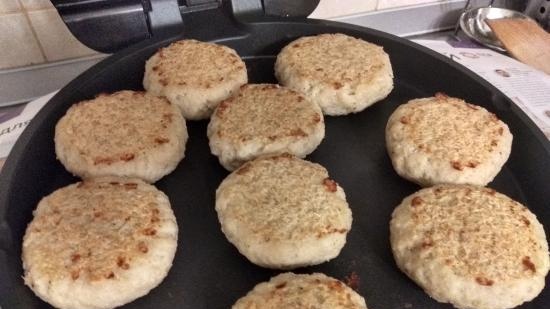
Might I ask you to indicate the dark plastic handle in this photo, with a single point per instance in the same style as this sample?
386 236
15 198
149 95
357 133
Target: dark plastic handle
110 25
289 8
164 17
105 25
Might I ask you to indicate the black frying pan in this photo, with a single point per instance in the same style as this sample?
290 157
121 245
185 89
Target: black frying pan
208 272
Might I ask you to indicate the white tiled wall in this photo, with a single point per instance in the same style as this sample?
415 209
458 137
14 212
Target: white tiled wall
334 8
337 8
17 41
9 6
388 4
32 32
56 40
36 4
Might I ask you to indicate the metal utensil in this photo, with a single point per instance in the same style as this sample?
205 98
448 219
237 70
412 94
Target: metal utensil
472 22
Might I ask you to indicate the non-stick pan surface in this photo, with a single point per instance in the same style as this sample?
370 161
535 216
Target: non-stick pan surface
208 272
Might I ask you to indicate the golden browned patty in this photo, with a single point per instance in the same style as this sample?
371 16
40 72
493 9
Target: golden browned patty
470 246
341 73
264 119
126 133
446 140
283 212
293 291
99 243
195 76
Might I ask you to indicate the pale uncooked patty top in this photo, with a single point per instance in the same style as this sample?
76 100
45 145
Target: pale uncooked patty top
450 129
477 232
117 127
197 65
92 229
285 198
334 59
266 112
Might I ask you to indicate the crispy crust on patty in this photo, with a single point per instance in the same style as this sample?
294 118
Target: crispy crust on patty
195 76
283 212
126 133
341 73
446 140
99 243
290 290
264 119
470 246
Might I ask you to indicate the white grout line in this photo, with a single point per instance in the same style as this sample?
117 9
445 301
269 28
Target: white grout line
25 12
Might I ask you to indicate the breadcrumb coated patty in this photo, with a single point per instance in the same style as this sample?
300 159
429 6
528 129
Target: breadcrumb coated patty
264 119
283 212
99 243
470 246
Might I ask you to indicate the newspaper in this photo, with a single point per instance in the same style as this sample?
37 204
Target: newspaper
524 85
14 119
